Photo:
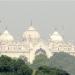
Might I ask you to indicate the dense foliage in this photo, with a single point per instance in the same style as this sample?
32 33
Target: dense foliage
40 60
44 70
63 61
60 60
9 66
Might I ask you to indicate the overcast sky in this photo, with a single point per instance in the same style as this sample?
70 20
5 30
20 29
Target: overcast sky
45 15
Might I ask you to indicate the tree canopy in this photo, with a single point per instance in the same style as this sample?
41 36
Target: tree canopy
9 66
40 60
63 61
45 70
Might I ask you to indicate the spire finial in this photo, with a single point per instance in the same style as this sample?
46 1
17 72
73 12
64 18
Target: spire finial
6 27
62 27
31 22
55 29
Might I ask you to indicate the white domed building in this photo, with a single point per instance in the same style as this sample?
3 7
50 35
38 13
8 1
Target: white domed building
57 44
56 37
32 45
6 37
33 42
31 35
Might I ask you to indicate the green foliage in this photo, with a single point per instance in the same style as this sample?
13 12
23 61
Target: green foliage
59 60
5 63
9 66
40 60
44 70
24 59
17 64
7 73
24 70
63 61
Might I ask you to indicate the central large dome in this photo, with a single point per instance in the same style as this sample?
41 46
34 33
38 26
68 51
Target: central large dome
31 34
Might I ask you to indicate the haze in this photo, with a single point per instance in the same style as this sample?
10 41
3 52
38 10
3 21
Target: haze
46 16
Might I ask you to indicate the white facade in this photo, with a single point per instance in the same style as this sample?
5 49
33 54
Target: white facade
32 44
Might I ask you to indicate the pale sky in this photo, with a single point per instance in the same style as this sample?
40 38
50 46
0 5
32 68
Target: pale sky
45 15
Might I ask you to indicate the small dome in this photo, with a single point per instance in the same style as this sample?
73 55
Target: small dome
6 36
31 33
40 51
56 37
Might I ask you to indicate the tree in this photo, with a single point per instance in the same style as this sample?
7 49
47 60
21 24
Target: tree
63 61
45 70
40 60
18 63
24 70
24 59
10 66
5 63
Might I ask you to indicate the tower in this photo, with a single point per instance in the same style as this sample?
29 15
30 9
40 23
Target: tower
31 35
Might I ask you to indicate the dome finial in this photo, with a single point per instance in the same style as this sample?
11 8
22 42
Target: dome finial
31 22
55 29
6 27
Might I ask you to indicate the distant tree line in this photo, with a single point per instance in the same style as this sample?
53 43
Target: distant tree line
9 66
61 60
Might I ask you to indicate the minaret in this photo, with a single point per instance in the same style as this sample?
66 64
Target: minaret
55 29
6 27
31 23
30 44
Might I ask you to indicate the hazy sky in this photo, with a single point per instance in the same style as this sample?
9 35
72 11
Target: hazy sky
45 15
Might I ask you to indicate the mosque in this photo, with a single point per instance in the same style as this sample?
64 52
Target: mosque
32 45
